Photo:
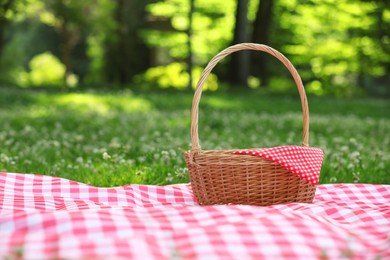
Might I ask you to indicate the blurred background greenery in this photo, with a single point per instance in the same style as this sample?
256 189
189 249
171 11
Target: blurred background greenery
340 47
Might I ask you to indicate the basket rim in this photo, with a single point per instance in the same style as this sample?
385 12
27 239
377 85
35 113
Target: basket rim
195 150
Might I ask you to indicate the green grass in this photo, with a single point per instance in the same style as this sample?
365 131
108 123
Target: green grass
117 138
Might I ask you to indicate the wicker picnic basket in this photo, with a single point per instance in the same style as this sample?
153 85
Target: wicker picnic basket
221 177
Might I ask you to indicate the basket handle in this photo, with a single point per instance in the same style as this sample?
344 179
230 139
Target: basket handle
238 47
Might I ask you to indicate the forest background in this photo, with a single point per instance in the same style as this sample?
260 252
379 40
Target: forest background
340 48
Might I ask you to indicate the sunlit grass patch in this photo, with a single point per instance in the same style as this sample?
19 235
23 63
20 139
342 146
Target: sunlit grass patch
101 104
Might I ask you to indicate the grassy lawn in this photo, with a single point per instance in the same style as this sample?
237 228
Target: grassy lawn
117 138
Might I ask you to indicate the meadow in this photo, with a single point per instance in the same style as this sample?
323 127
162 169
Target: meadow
112 138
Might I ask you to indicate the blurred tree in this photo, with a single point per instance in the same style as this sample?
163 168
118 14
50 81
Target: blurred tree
167 32
112 41
126 54
333 51
261 34
6 7
169 22
102 31
376 81
239 63
16 37
70 18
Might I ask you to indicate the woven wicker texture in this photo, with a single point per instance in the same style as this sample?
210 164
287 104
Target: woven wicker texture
221 177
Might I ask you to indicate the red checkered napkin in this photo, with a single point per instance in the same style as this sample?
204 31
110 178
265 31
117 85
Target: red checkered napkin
305 162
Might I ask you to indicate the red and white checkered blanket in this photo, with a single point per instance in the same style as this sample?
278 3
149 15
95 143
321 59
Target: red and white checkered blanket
44 217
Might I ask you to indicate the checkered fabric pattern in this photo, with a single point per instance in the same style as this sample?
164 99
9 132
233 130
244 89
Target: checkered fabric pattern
44 217
305 162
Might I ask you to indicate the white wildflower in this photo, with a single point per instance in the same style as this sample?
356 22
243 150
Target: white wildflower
79 160
106 156
169 178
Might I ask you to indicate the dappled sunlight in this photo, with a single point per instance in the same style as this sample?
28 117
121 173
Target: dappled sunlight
82 103
175 75
248 102
129 103
38 112
222 103
37 104
102 104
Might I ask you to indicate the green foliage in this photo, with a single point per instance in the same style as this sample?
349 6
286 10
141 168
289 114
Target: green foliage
13 56
117 138
60 28
340 47
213 21
332 42
46 69
174 75
102 27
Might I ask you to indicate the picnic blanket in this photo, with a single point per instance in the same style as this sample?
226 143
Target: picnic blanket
43 217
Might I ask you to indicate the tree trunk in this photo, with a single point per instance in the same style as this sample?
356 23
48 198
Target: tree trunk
261 34
239 64
126 54
3 25
70 38
123 50
4 8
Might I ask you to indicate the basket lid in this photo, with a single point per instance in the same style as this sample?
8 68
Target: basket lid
305 162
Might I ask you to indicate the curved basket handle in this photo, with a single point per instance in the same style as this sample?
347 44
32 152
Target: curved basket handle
247 46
